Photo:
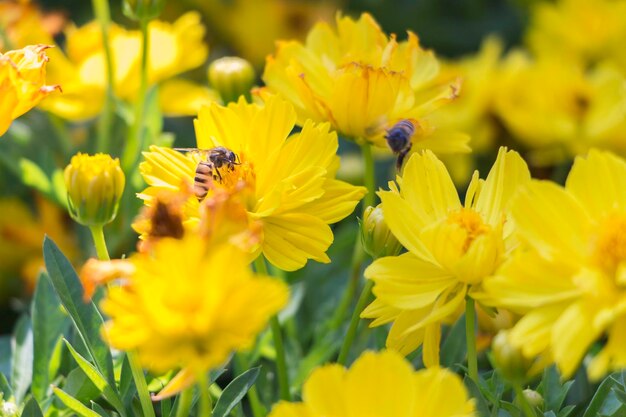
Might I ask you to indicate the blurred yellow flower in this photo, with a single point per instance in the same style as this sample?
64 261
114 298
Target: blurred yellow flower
451 247
174 48
363 82
22 82
287 182
383 385
570 282
189 305
583 32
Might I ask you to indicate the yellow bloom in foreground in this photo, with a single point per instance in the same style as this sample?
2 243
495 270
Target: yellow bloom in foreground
451 247
363 82
383 385
22 82
188 305
288 182
571 282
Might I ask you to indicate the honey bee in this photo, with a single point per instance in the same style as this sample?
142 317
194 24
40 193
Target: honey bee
399 139
208 170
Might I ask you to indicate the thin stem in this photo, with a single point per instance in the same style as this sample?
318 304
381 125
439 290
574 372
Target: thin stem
369 176
258 410
140 383
521 399
281 361
103 14
97 232
470 338
206 405
134 143
184 403
353 283
354 323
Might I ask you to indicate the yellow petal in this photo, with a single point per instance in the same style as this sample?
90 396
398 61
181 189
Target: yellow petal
286 409
432 339
532 332
179 97
325 391
441 394
381 312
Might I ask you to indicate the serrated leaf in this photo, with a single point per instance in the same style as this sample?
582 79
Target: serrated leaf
48 324
75 405
33 176
85 316
97 379
22 359
31 409
482 407
235 391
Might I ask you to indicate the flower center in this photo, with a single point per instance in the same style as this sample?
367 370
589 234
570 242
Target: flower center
609 244
470 222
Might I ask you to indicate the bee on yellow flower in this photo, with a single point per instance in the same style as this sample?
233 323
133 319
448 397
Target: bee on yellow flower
363 82
285 182
380 384
22 82
451 247
569 281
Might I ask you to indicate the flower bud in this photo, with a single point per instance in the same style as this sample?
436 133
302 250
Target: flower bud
509 360
377 239
533 398
142 9
232 77
94 187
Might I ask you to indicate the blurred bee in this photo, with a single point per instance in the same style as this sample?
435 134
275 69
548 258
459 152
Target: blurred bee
208 170
399 139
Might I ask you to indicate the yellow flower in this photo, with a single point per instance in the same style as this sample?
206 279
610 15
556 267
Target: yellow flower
570 282
287 182
189 305
95 184
363 82
451 247
579 31
174 48
22 82
383 385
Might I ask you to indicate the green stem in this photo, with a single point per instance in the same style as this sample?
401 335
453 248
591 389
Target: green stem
281 362
134 143
354 322
140 383
206 405
369 176
97 232
184 403
258 410
470 338
355 273
521 399
103 14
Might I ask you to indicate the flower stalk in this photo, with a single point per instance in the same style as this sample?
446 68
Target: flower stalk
470 338
206 405
184 402
522 401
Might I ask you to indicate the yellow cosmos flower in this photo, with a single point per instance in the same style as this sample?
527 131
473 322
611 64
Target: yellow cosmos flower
288 182
22 82
363 82
174 48
188 305
570 283
451 247
383 385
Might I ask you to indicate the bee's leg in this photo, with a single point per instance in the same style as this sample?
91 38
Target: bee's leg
401 156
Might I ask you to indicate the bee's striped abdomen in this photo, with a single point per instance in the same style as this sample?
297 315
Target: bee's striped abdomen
202 180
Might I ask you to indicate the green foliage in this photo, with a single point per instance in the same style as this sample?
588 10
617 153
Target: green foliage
235 391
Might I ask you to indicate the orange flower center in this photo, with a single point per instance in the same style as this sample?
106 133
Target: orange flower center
471 222
609 244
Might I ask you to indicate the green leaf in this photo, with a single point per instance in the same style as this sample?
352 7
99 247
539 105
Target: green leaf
235 391
22 359
5 387
98 408
453 350
79 386
48 324
97 379
58 187
75 405
34 176
552 390
482 407
85 316
31 409
602 396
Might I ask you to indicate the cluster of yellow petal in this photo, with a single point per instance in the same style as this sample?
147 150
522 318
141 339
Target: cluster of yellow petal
364 82
173 48
189 305
22 82
570 279
451 247
383 385
288 181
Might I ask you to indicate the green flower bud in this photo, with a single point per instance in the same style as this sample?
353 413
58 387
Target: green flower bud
94 187
509 360
142 9
377 239
533 398
232 77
